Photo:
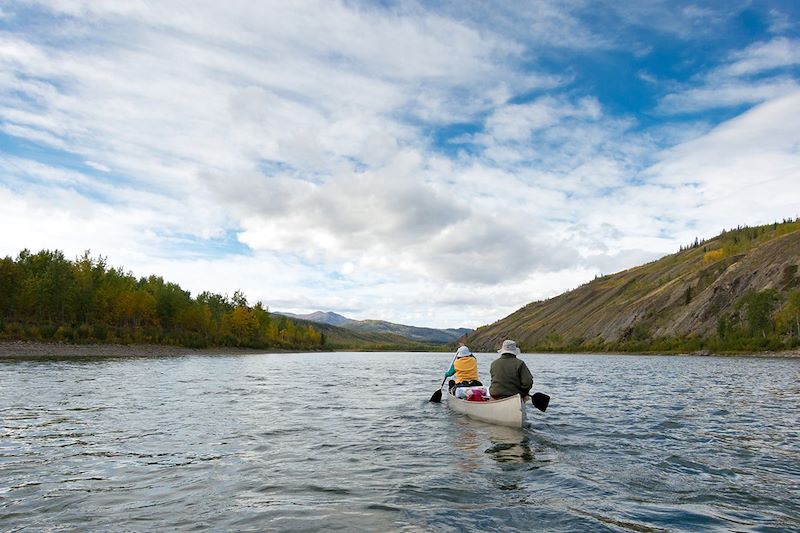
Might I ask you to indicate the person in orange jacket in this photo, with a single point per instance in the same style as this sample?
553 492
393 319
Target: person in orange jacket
465 369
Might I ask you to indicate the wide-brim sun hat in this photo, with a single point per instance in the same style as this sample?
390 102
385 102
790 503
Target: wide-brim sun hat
463 351
509 347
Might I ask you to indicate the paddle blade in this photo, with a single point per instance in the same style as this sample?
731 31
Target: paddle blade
437 396
540 401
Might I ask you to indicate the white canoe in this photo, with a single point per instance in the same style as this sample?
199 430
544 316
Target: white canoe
506 412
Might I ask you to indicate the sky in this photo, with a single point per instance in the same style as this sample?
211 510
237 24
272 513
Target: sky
433 163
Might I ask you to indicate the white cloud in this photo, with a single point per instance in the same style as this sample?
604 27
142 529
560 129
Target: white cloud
759 57
687 21
749 165
110 101
779 22
726 94
97 166
546 23
516 122
740 80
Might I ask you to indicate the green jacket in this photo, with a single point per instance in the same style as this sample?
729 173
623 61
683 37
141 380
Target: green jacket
510 376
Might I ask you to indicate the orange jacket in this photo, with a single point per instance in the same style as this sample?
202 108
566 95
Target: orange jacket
465 369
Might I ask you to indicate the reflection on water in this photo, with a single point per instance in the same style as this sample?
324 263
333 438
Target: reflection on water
467 440
509 445
506 444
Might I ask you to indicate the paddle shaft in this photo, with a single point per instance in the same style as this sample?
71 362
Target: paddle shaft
448 368
437 396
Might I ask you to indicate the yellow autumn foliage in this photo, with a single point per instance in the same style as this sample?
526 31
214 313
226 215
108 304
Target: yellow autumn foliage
713 256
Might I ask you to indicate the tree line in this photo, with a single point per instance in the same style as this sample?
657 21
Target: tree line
46 297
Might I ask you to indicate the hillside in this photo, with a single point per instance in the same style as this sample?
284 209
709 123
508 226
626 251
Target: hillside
737 291
383 329
415 333
341 338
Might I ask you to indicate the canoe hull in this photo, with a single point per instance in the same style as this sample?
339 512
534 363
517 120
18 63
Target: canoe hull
506 412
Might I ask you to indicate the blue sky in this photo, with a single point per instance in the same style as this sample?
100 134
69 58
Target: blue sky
430 163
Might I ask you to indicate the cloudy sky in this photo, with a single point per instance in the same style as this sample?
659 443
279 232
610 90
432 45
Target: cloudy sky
430 163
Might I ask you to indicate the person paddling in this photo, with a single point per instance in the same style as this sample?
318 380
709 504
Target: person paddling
465 369
510 375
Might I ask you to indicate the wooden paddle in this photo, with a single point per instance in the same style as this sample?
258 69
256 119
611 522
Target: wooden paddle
437 396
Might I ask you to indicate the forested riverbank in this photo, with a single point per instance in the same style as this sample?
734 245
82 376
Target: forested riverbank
45 297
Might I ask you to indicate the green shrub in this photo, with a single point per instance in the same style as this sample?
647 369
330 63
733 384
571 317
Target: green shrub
65 334
100 332
84 332
33 333
14 331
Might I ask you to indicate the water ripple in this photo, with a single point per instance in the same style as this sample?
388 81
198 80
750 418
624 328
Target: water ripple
349 442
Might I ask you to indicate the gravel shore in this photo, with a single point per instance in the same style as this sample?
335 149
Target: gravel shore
19 349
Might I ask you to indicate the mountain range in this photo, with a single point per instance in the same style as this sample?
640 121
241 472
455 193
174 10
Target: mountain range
378 330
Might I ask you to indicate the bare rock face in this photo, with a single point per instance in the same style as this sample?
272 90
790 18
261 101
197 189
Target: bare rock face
677 296
771 265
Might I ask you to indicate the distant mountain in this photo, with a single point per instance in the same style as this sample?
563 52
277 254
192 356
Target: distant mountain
436 336
380 327
320 317
341 338
737 291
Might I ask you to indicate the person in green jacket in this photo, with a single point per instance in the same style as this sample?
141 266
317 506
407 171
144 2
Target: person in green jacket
510 375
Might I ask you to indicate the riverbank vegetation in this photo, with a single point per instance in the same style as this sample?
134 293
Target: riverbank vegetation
46 297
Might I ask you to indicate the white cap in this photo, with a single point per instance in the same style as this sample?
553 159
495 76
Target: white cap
463 352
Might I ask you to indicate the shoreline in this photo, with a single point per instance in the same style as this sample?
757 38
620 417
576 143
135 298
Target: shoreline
26 349
32 350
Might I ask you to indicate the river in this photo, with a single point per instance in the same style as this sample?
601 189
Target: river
349 441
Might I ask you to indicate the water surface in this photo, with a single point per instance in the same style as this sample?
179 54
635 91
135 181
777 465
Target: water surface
348 441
